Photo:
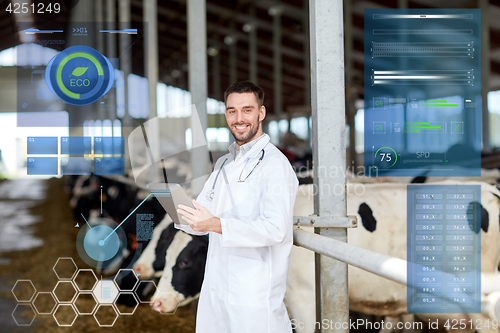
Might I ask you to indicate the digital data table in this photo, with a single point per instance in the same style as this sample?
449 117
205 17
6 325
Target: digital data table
444 248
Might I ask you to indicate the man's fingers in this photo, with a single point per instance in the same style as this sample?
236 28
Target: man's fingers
197 205
187 219
187 208
183 212
192 217
191 223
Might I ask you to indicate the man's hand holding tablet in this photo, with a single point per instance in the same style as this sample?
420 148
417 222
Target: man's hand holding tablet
199 218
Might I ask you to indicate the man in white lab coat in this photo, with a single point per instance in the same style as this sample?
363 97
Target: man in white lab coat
246 207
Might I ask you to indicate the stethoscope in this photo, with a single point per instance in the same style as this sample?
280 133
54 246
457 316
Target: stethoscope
210 194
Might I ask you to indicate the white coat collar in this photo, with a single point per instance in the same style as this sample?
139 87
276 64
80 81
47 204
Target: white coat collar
255 150
255 146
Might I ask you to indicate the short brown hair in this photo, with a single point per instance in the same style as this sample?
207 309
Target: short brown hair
245 87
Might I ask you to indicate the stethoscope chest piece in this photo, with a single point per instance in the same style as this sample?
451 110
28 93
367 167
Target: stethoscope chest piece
210 195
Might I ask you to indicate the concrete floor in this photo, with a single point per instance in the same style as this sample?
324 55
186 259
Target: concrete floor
16 199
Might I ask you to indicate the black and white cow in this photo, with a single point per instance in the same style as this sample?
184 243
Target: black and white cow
182 258
144 264
179 258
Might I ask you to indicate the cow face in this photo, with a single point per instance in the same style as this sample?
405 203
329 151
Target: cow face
166 238
189 269
184 268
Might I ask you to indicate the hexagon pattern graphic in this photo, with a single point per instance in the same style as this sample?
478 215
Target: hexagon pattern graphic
85 280
128 274
65 291
80 292
44 303
126 298
65 315
24 314
65 268
145 288
105 292
85 303
24 290
102 315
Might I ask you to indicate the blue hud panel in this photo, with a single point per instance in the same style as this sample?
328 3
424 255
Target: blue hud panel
76 166
78 145
109 166
72 77
109 145
42 166
42 145
422 92
444 248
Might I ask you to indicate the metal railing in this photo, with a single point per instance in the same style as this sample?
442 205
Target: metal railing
391 268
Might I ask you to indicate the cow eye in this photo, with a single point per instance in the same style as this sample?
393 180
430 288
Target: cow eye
184 264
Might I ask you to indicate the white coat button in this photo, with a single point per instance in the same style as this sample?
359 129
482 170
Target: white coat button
212 256
212 288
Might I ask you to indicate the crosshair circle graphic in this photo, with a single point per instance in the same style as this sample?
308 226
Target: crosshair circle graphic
79 75
98 253
98 249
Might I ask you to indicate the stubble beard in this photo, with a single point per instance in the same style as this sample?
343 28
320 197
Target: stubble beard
246 138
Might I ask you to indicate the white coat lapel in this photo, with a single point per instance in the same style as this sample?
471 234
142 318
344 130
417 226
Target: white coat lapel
238 199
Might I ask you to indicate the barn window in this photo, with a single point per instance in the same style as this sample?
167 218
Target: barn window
117 127
494 117
107 127
138 102
120 93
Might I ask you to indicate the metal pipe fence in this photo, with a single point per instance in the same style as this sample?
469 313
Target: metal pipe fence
391 268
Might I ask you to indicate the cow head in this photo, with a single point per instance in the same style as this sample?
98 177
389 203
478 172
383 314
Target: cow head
184 268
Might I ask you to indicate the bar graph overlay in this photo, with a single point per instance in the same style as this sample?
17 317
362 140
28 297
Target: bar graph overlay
422 107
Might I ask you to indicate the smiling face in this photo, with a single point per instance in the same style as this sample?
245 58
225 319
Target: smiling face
244 117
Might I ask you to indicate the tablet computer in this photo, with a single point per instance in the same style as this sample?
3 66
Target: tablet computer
170 196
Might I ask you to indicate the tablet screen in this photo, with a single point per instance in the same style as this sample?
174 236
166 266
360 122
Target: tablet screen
170 196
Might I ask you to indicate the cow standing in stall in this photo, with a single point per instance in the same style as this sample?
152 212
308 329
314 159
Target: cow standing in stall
179 260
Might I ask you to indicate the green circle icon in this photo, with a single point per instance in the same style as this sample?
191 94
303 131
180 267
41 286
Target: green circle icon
396 155
63 62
